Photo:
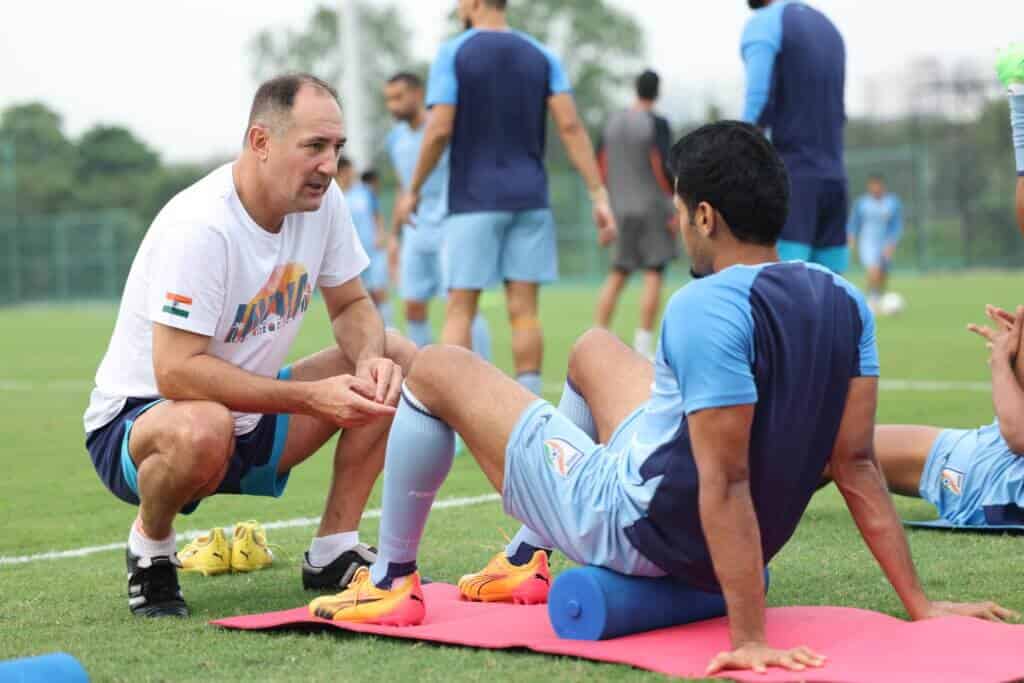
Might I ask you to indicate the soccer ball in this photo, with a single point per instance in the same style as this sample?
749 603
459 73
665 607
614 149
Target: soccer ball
892 304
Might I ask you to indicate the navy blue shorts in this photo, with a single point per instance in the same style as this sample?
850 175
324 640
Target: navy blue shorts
252 469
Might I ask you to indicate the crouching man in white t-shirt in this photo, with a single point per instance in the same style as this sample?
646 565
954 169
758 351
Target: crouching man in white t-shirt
193 397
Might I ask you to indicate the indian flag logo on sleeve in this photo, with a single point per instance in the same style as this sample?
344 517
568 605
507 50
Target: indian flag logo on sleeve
177 304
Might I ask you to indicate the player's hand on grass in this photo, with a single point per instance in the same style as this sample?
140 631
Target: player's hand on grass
1004 340
758 657
386 376
989 611
347 401
405 208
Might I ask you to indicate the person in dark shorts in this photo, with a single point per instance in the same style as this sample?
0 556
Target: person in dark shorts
633 153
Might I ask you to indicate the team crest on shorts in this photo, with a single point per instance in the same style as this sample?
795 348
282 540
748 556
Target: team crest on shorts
562 455
952 481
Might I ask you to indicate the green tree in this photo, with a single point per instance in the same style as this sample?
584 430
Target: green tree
317 49
44 159
115 170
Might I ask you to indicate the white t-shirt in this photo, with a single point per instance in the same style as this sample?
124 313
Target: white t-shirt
205 266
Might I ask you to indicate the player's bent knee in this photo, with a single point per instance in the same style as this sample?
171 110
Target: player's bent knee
435 366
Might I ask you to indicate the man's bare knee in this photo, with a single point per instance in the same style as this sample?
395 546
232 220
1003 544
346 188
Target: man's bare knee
203 441
433 369
585 349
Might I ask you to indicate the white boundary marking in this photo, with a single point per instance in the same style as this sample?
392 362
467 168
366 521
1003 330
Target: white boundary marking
552 388
193 534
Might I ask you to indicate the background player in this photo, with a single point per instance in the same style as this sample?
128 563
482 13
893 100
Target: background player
500 226
874 230
796 73
421 274
362 201
633 157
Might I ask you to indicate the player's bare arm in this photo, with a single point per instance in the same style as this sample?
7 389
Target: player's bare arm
859 478
435 140
721 442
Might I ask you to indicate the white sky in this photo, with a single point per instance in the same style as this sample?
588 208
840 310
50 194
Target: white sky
177 72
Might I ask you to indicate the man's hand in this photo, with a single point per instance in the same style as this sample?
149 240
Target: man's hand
604 219
405 207
989 611
386 378
1003 341
758 656
347 401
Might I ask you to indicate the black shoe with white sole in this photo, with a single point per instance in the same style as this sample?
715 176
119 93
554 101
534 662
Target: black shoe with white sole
338 574
153 589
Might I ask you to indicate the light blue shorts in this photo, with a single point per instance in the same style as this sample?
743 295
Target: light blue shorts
420 266
973 478
375 277
567 489
483 249
871 253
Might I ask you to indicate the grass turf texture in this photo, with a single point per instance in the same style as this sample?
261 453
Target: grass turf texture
53 500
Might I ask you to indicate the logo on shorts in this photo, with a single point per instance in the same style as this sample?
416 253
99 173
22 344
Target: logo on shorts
952 481
562 455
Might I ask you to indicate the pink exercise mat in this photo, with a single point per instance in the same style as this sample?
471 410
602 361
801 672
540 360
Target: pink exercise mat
862 646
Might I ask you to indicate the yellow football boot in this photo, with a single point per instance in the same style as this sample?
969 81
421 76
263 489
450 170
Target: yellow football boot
502 581
207 555
363 603
249 550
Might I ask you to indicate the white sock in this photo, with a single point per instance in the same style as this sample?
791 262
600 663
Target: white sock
643 341
141 546
326 549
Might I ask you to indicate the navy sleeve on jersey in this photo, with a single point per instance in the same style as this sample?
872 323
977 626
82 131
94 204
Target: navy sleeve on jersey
707 340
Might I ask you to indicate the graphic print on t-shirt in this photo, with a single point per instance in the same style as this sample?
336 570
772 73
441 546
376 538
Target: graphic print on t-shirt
284 297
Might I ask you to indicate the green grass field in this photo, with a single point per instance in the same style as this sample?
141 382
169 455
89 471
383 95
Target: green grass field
53 501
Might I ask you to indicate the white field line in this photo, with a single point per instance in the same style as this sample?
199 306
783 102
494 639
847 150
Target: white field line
196 533
549 387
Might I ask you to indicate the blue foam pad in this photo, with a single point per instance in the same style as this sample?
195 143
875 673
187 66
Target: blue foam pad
942 524
591 603
55 668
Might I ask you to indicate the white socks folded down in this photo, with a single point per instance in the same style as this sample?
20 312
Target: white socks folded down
326 549
141 545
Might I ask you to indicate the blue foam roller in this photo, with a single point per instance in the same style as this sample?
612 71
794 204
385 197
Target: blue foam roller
59 667
592 603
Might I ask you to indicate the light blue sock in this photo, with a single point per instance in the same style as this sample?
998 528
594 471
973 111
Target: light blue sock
419 455
576 409
384 308
481 332
420 333
531 381
1017 121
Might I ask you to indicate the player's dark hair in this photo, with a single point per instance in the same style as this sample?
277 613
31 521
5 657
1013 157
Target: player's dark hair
369 176
756 4
276 97
648 84
344 162
732 166
411 80
496 4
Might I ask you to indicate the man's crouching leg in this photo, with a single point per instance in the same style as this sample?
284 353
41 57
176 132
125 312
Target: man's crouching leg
180 453
336 552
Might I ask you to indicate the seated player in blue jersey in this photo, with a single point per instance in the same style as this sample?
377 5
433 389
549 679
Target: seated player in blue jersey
874 230
699 466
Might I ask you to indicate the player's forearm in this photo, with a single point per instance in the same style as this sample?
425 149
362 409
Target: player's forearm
359 331
581 154
1008 399
862 484
734 540
435 140
206 378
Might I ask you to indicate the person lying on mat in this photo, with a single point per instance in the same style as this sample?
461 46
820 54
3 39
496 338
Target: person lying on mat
974 477
698 466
